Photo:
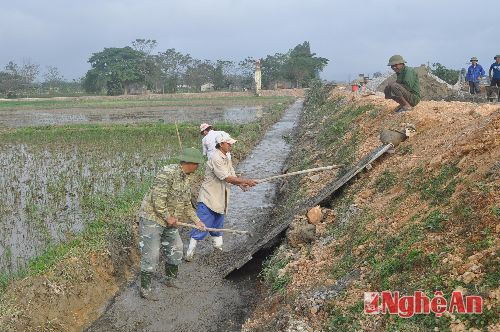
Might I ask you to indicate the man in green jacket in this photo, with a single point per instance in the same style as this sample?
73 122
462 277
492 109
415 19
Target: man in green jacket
168 202
406 90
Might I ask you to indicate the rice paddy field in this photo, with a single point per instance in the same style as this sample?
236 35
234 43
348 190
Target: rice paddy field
61 183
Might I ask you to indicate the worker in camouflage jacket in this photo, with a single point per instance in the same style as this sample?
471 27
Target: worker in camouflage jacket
168 202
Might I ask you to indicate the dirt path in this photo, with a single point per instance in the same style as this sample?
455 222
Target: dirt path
207 301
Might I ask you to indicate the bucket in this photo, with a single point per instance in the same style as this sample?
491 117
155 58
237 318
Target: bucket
354 87
392 136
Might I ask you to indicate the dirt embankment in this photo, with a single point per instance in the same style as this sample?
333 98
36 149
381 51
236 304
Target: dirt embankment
424 218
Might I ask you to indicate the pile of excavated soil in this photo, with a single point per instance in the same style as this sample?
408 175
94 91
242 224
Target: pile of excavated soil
430 88
328 277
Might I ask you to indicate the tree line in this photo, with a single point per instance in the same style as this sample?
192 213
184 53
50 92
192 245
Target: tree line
20 80
120 70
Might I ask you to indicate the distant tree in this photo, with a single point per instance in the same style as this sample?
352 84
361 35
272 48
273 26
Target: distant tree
11 82
150 66
12 68
199 73
302 65
29 72
245 72
377 74
273 68
173 66
52 76
450 76
116 67
145 46
222 72
93 83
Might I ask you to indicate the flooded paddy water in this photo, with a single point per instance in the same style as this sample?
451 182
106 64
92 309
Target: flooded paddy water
17 118
48 194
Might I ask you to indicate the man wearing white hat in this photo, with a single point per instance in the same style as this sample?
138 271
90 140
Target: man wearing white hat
208 140
214 193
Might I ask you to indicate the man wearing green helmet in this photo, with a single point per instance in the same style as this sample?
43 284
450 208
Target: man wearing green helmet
406 90
168 201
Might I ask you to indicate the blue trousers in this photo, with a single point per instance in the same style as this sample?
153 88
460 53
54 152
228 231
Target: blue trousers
210 218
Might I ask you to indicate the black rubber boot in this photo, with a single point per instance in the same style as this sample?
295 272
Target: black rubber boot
170 275
145 289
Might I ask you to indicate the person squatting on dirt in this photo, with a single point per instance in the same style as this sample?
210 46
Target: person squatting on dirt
168 201
213 198
406 90
474 74
208 140
495 68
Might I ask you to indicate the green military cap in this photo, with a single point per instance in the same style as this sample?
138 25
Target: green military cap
496 56
396 59
191 155
473 59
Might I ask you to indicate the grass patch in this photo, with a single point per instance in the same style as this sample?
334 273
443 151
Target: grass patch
417 323
486 241
338 321
488 317
495 211
436 189
166 101
271 275
463 212
385 181
343 266
433 222
398 256
406 150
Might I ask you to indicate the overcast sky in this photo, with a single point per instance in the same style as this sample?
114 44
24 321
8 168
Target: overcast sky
357 36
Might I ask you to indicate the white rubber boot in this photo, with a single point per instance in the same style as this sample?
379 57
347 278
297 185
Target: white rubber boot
190 250
217 240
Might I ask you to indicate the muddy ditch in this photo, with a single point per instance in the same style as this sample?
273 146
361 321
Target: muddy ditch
206 301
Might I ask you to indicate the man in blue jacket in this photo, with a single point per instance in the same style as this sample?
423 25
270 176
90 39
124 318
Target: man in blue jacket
474 73
495 68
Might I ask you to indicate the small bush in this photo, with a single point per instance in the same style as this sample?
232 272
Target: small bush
433 221
270 273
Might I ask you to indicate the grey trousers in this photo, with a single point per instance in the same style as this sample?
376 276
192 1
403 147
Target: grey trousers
474 88
151 237
396 90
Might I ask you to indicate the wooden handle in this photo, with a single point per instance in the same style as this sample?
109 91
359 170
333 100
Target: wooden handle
178 136
325 168
228 230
